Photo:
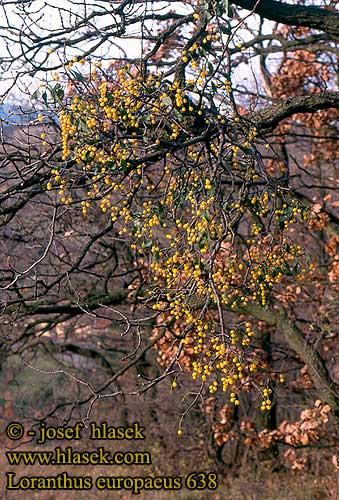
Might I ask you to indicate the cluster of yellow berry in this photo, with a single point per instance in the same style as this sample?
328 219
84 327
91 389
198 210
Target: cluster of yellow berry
210 249
266 403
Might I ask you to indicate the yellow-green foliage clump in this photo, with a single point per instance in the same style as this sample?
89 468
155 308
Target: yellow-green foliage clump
186 186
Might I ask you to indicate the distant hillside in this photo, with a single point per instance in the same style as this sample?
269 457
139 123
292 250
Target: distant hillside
19 115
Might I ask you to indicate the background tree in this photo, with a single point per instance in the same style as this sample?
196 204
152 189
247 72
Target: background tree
187 189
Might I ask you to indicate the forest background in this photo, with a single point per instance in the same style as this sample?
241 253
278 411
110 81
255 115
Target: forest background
169 235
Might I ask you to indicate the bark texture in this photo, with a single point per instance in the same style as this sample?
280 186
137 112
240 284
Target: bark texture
294 15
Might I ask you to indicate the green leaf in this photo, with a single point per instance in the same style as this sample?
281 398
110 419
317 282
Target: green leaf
78 76
226 28
45 98
149 244
58 93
